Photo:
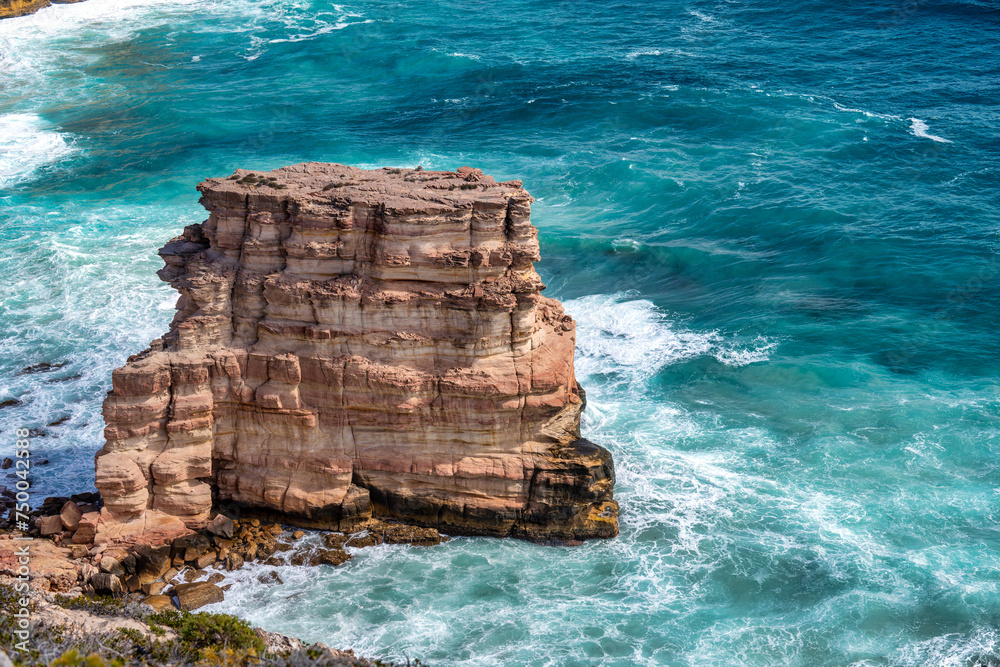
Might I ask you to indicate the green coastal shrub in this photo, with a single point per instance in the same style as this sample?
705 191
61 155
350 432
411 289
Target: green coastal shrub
203 630
73 658
202 639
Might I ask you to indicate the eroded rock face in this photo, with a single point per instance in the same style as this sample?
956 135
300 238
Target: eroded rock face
350 343
13 8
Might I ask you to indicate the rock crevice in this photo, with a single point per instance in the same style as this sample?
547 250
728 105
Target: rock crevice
354 343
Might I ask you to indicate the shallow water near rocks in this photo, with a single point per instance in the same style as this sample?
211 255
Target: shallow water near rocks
776 225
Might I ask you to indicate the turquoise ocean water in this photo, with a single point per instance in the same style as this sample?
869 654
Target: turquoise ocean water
776 224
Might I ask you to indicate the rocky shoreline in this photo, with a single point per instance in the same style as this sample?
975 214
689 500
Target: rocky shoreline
12 8
99 593
363 352
108 632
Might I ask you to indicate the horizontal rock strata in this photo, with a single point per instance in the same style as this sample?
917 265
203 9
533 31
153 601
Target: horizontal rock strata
354 343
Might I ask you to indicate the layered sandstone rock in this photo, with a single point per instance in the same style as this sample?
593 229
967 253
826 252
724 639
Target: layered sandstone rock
351 343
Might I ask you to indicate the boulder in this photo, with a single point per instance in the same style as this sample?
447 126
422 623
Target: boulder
86 498
109 564
190 547
192 574
204 560
87 529
196 595
128 562
87 572
105 583
222 526
52 504
234 561
333 557
151 563
222 543
70 516
154 588
160 603
394 533
50 525
269 578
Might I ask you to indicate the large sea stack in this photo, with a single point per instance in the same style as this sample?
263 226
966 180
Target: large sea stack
353 343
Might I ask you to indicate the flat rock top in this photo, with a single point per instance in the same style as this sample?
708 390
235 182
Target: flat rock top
325 182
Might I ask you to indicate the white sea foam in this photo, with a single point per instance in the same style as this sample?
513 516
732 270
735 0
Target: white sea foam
616 334
323 29
644 52
27 145
757 350
869 114
980 647
626 245
99 302
620 334
919 129
33 47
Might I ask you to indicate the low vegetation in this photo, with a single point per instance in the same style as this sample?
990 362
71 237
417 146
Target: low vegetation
174 638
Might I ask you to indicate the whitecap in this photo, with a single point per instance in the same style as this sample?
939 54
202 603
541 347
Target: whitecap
322 30
950 650
646 52
734 355
632 338
26 146
919 129
701 17
626 245
869 114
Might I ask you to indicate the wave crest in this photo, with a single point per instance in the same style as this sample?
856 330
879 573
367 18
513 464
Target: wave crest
620 334
27 146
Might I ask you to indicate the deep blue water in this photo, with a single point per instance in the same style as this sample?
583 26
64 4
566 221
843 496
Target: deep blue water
776 224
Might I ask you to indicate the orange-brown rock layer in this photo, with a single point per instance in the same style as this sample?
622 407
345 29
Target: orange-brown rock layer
351 343
13 8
